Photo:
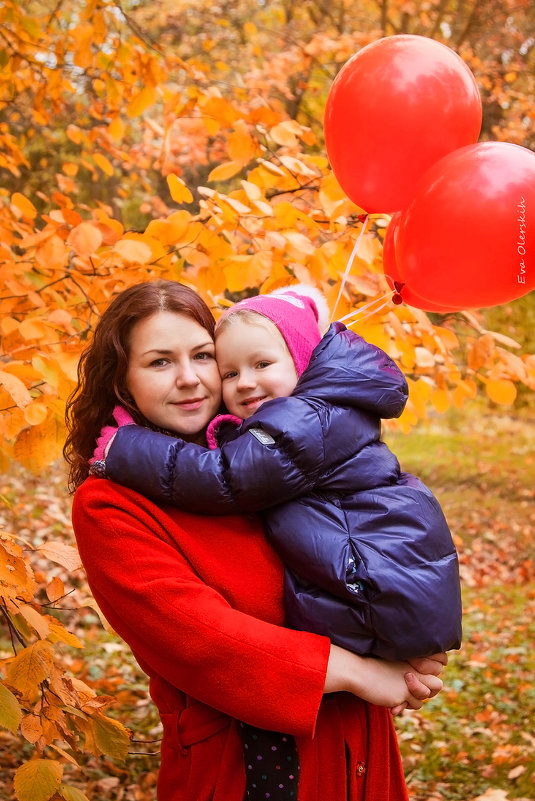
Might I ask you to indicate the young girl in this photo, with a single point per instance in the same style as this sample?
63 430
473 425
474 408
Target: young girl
369 556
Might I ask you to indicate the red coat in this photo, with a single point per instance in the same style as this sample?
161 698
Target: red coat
199 601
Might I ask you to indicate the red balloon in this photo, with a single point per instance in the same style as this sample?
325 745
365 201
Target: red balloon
396 107
395 279
468 236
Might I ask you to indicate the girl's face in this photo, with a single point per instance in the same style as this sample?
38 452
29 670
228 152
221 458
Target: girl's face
172 373
255 365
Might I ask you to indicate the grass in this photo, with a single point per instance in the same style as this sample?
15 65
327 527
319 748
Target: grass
477 738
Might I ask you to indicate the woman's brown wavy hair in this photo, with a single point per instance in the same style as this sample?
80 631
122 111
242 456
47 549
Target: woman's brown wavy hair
103 364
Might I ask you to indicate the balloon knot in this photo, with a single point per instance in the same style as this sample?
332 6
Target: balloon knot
397 300
362 218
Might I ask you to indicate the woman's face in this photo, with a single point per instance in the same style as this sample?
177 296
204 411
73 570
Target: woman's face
172 373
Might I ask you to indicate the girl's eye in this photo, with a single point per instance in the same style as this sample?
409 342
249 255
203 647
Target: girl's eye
263 364
230 374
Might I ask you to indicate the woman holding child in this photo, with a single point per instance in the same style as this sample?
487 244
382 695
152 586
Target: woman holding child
250 708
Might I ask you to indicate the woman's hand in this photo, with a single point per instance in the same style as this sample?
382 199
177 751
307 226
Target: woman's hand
392 684
429 664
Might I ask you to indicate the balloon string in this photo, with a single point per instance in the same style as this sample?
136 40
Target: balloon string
350 262
374 311
361 309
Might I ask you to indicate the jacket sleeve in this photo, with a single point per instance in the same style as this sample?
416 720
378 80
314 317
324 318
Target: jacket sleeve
183 630
280 453
346 370
253 471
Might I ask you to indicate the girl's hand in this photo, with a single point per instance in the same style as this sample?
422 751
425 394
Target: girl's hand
391 684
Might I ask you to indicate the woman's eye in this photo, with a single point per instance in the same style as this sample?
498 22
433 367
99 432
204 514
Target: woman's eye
159 362
203 355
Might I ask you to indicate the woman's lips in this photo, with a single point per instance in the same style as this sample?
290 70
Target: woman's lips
190 404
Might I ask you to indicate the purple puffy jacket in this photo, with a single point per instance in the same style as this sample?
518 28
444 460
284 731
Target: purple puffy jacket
369 556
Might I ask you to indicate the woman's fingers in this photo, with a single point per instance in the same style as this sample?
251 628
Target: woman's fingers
429 664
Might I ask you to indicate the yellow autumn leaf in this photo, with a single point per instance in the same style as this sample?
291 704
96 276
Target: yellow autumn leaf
147 97
83 34
58 633
70 793
38 779
133 251
75 134
30 328
501 391
448 337
407 352
225 171
48 369
16 388
419 394
85 238
10 711
39 445
109 736
243 271
24 206
52 254
55 589
116 129
440 400
221 111
178 223
36 621
69 168
241 146
481 352
30 728
297 166
64 555
16 575
8 326
103 163
424 358
285 133
30 667
252 191
178 189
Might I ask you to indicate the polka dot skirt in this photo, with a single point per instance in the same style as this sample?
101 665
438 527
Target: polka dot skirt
271 765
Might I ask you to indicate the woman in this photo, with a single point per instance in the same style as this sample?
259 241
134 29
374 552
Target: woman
199 599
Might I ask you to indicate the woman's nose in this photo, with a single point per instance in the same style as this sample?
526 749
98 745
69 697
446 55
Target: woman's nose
186 376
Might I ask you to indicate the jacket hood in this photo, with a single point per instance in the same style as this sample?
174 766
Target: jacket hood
345 370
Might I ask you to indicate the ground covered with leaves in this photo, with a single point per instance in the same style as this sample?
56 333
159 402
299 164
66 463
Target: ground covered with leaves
476 740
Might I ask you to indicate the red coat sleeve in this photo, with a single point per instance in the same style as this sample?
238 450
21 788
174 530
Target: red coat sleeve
182 629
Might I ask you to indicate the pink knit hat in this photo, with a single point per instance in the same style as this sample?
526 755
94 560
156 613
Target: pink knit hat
297 312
